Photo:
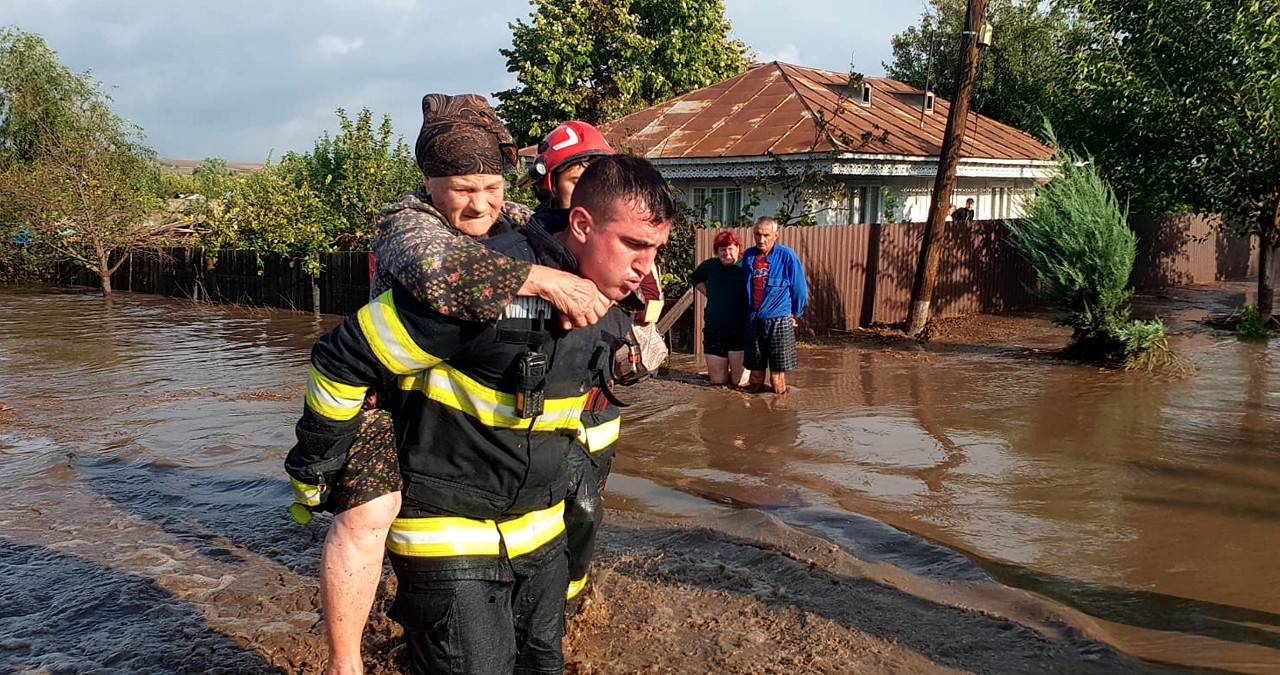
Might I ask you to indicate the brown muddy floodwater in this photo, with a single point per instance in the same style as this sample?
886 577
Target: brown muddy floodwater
141 493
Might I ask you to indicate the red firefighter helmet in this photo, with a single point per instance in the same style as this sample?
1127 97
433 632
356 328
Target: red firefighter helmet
564 145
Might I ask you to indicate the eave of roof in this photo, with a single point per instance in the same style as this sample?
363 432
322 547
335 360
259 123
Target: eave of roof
850 164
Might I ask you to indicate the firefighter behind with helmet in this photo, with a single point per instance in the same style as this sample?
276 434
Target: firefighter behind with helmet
563 155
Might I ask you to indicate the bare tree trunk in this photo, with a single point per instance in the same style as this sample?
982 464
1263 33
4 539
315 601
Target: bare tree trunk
1268 269
104 271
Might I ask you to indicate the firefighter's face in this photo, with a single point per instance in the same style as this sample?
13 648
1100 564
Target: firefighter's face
564 182
471 203
616 249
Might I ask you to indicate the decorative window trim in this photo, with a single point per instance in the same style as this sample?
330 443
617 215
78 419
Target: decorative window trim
729 197
729 168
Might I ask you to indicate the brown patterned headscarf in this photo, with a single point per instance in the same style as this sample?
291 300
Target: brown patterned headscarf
462 135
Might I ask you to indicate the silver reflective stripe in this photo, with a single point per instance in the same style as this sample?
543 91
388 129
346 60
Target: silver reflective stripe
529 308
389 340
331 399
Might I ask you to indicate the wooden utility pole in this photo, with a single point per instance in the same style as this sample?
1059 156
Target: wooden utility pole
952 139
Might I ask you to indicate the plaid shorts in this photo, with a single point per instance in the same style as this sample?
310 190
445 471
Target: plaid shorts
373 467
771 343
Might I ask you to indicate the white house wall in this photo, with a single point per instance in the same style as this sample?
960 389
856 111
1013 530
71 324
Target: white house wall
994 198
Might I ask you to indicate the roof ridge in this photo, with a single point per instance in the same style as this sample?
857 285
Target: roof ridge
808 108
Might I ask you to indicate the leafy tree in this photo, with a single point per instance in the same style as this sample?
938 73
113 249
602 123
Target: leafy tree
37 94
1076 237
72 172
675 258
307 203
1180 103
1022 77
357 172
598 60
273 210
212 178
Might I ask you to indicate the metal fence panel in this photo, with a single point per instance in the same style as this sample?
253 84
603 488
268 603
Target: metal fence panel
859 275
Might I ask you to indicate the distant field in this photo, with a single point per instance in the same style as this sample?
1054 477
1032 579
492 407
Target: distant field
185 166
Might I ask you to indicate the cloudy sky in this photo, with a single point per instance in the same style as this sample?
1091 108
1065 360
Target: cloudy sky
240 79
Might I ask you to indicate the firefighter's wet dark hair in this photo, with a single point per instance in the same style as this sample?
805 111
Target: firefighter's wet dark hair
622 178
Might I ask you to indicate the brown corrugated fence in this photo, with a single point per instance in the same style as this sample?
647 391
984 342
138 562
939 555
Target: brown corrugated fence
861 275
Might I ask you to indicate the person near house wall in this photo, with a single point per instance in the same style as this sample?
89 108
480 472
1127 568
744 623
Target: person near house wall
723 280
563 155
776 295
965 212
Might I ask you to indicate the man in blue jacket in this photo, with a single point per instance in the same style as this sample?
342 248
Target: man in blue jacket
777 293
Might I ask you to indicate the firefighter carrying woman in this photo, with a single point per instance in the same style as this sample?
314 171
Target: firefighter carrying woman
459 541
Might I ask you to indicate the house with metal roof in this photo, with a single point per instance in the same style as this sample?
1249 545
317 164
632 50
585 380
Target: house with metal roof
823 146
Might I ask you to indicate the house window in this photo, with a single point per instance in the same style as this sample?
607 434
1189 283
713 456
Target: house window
721 204
864 204
1002 202
928 102
866 95
836 211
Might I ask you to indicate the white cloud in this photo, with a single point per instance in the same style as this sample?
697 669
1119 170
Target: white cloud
394 5
57 5
297 131
788 54
332 45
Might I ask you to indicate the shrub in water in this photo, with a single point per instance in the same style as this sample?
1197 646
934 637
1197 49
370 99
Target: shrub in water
1251 326
1076 237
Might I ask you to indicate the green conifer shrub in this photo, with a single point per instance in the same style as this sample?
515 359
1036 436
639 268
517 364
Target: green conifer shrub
1076 237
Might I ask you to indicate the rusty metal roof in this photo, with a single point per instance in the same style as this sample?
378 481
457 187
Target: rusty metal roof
776 107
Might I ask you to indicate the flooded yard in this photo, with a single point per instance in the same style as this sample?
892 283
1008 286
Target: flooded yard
142 499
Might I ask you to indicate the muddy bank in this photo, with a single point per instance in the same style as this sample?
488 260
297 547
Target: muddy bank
747 594
744 593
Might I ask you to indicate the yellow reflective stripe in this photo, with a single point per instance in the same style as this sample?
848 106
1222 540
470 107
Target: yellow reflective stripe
449 536
412 382
305 494
532 530
601 436
389 340
491 407
333 400
443 536
576 586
